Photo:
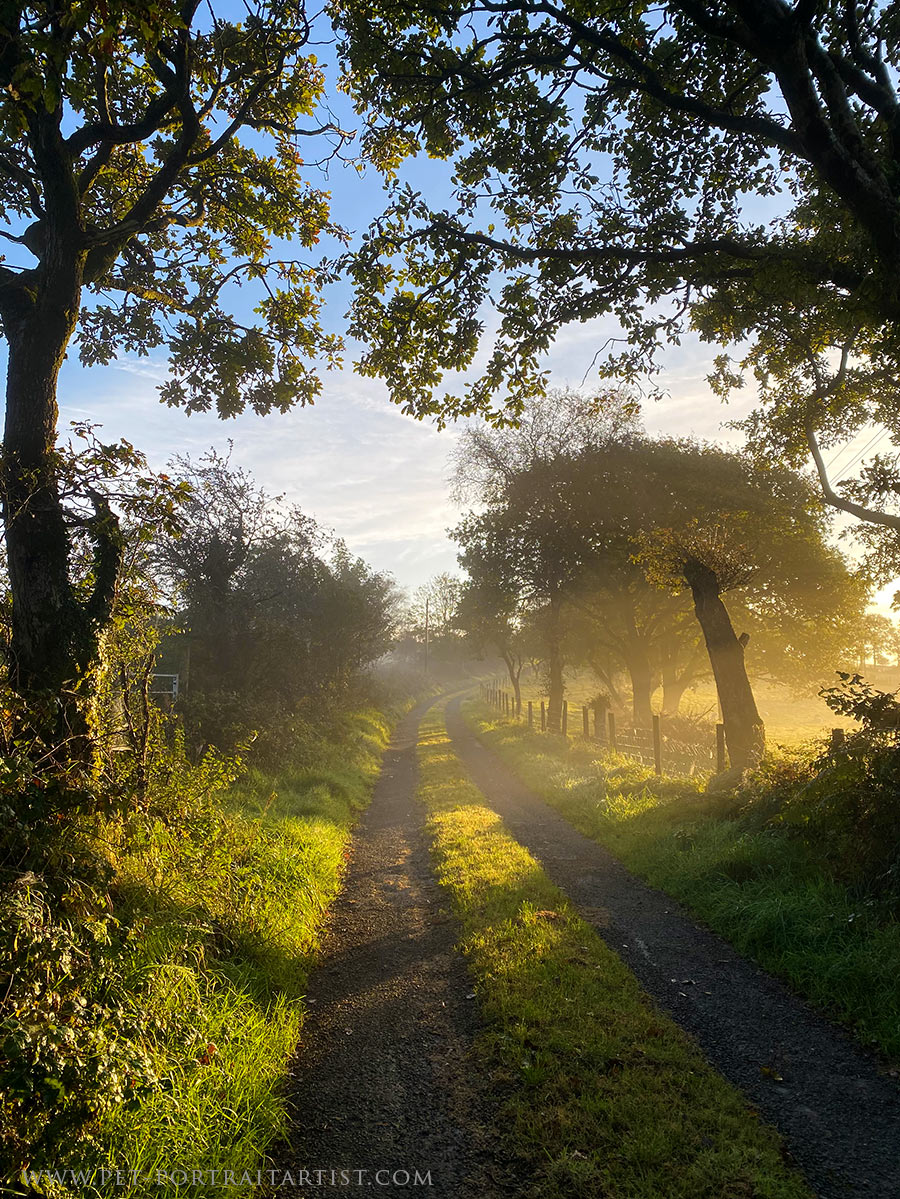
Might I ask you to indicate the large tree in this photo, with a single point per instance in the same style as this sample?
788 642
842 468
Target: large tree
622 622
276 614
725 524
149 158
526 544
494 624
605 159
568 535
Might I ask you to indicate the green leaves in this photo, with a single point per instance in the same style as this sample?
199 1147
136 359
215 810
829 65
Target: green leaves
603 159
174 173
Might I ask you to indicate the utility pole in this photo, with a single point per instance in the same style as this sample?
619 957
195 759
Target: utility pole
426 633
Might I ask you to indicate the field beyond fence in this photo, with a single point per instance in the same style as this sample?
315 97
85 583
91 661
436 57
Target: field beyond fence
653 747
656 746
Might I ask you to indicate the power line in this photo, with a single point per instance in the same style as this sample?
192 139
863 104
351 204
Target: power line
841 450
880 434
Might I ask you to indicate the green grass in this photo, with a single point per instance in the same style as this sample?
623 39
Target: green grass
601 1093
762 889
226 903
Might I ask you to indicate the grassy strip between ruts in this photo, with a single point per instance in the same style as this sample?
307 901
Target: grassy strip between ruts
762 889
602 1094
227 904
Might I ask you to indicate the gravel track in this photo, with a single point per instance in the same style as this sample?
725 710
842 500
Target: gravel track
383 1080
837 1110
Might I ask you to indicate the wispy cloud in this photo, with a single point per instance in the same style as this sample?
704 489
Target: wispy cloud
354 461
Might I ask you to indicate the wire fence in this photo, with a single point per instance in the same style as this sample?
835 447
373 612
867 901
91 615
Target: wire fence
652 747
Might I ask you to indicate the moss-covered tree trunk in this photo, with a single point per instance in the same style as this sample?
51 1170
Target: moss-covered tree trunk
744 730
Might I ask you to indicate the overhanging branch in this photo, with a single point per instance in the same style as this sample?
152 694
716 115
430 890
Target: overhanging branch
860 511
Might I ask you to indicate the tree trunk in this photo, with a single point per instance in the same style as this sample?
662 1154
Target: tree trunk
636 658
514 673
675 684
744 730
673 689
607 678
640 671
641 676
555 666
56 635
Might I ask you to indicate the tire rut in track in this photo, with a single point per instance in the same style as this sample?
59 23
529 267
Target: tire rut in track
383 1078
836 1109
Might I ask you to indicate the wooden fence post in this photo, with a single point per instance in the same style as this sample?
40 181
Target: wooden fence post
565 717
543 718
611 718
530 715
586 721
657 746
720 749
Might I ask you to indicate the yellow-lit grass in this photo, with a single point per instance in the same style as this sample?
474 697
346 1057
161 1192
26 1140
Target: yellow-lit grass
602 1095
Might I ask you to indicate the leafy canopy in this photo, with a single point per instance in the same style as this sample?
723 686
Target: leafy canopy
153 147
593 527
602 159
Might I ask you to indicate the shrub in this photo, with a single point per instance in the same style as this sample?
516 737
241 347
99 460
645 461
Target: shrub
842 802
76 1027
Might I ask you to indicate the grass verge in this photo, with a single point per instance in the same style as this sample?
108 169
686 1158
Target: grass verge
762 889
223 898
602 1094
